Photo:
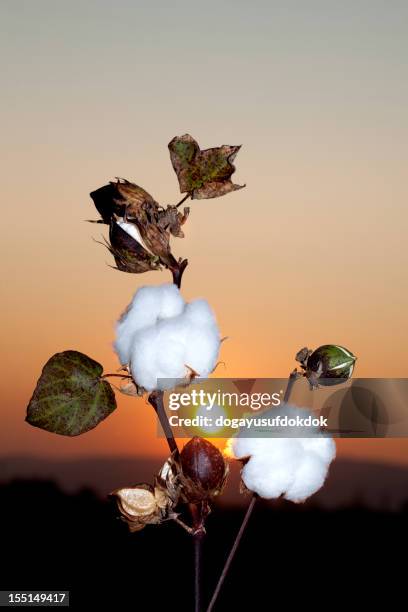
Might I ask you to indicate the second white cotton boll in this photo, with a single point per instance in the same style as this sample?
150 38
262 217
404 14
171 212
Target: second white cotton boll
169 341
294 467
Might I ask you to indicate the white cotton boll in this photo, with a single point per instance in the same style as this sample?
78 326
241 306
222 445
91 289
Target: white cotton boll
142 312
309 477
323 445
143 359
199 311
294 467
149 304
270 475
162 339
242 447
172 303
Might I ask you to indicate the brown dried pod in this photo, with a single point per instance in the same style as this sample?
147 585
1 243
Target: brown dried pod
143 210
136 206
141 505
204 471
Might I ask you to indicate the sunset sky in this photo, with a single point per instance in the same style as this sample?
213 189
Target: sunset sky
312 251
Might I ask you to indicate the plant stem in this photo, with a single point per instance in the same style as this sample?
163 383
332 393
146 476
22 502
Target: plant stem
232 552
178 270
198 513
198 546
118 375
183 200
291 381
156 400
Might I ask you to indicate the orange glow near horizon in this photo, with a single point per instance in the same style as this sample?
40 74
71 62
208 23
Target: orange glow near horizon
312 251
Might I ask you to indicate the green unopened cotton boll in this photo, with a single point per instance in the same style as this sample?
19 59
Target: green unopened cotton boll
328 365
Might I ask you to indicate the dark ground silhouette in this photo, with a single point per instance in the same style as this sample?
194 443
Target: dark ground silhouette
379 486
290 556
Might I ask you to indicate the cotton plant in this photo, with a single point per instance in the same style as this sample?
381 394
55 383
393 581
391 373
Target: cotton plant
161 342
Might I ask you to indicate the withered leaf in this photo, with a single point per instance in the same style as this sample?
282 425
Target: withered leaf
70 397
129 254
203 174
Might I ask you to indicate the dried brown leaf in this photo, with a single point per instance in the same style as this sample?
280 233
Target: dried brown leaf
203 174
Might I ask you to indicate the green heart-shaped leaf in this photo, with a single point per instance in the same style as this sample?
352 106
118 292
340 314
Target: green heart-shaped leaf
70 397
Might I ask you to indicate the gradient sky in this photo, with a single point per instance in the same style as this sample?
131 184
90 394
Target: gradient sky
312 251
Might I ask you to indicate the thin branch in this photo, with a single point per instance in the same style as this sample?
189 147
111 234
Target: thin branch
198 514
183 200
293 377
156 400
232 552
198 549
118 375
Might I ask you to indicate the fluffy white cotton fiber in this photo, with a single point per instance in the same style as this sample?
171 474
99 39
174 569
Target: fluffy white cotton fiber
294 467
132 230
161 337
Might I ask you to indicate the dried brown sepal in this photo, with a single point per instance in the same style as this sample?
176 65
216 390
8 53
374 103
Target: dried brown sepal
243 489
302 356
172 219
108 202
133 197
131 388
168 479
129 254
203 174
